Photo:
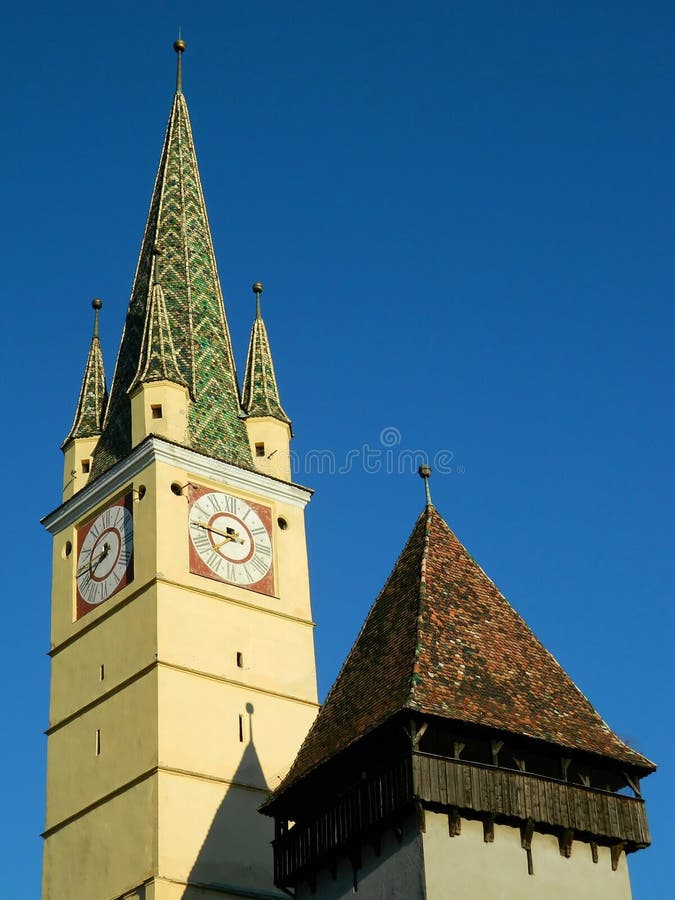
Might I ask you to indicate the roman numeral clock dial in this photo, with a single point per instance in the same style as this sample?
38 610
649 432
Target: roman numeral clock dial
105 555
230 540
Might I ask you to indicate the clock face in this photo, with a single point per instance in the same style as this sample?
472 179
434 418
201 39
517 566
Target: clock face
230 540
105 555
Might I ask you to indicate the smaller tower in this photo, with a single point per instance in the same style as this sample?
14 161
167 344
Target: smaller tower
453 756
158 393
268 426
83 436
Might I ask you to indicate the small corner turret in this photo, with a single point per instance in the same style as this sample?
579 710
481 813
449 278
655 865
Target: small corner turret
159 395
268 426
83 436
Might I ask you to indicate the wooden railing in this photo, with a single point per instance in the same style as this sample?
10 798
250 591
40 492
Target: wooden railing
520 795
365 807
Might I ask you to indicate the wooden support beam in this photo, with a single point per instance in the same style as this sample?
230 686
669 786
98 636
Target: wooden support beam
585 779
520 763
458 748
496 747
489 829
616 850
565 764
526 832
594 851
565 840
421 816
417 737
633 784
454 822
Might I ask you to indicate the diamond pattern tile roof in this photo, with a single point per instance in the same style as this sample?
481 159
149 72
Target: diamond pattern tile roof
93 397
260 396
442 640
178 226
158 357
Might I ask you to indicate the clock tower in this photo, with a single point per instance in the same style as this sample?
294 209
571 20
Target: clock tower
183 677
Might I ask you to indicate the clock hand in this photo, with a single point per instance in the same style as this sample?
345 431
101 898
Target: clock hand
93 563
225 534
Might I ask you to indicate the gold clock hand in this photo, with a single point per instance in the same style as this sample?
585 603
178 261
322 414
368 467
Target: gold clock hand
93 563
225 534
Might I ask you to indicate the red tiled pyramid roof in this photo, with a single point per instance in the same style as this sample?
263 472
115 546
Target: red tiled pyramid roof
442 640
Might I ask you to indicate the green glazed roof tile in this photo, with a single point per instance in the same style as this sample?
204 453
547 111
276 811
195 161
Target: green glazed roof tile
178 227
158 356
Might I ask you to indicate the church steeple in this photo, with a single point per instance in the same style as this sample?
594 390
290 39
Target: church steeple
260 396
193 302
86 428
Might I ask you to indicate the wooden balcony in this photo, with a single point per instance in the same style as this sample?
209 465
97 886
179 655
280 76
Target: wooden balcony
470 789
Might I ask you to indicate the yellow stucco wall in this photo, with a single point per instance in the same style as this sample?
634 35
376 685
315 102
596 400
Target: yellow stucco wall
190 739
465 867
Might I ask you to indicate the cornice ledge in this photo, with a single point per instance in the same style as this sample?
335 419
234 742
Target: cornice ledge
154 449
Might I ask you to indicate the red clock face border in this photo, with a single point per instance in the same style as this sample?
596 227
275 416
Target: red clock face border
114 531
212 518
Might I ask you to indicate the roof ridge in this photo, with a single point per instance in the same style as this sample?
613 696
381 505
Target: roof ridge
421 598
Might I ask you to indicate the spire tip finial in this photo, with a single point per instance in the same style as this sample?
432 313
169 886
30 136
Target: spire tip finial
96 305
257 289
425 473
179 47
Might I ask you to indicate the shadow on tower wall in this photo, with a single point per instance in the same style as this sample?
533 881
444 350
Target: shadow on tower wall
237 851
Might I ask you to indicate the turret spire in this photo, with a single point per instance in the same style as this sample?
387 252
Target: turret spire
192 310
260 396
93 392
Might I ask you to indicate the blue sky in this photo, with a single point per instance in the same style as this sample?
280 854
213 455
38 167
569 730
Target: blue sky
463 217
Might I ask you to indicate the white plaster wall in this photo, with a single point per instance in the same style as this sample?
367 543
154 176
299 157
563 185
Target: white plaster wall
465 867
396 874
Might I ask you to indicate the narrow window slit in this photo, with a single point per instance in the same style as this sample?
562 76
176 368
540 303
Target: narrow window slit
241 729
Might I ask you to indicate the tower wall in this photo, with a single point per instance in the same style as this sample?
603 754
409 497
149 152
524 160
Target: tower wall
178 701
465 867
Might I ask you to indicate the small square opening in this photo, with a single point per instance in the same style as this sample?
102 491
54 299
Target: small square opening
260 448
86 466
156 410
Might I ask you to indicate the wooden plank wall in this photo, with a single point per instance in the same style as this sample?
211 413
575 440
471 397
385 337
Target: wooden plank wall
519 795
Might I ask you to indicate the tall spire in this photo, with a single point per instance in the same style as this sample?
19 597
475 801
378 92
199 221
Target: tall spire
260 396
178 223
93 392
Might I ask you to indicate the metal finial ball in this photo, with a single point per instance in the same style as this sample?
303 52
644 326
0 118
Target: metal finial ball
96 303
424 472
179 46
257 287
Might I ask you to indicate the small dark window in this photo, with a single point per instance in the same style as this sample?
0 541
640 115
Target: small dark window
101 672
282 523
260 449
241 729
86 465
67 550
230 530
156 410
240 660
98 741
